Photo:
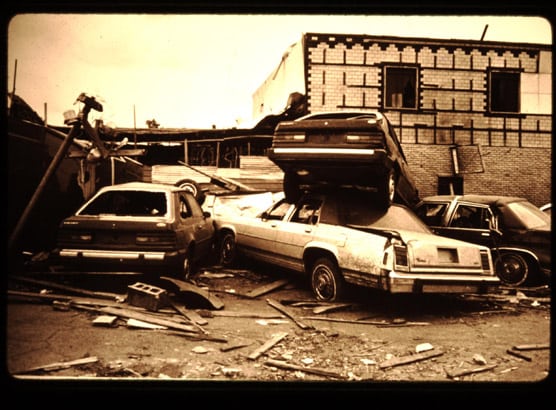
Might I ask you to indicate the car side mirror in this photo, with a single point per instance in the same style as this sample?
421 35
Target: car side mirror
264 216
206 214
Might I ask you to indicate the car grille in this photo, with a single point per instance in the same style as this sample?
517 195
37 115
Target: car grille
401 255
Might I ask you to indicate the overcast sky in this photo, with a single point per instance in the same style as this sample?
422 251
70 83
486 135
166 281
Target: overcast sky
195 71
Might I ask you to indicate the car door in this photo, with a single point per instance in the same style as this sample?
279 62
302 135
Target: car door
295 233
471 223
258 235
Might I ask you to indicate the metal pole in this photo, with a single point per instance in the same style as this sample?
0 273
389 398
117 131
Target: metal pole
46 177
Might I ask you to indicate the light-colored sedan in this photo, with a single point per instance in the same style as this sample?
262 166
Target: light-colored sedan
341 236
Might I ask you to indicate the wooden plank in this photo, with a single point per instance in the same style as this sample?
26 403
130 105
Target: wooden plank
147 318
79 291
267 345
281 308
330 308
191 316
62 365
339 320
538 346
223 313
459 373
267 288
313 370
397 361
518 354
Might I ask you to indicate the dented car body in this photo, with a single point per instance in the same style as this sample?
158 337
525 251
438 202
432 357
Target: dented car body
137 226
335 238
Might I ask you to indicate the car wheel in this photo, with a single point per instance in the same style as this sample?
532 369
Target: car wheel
387 189
227 249
193 187
512 268
326 281
188 268
292 191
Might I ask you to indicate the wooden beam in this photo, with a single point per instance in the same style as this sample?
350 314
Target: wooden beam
267 345
313 370
397 361
278 306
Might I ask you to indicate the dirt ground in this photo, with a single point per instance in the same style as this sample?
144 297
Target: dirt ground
372 340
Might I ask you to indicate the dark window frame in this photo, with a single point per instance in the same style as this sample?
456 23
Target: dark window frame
504 87
394 77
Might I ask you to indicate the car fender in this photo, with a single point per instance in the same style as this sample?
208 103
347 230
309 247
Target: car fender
319 247
514 249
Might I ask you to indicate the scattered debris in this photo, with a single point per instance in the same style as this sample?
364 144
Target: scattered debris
423 347
267 345
479 359
193 317
105 320
196 291
330 308
266 322
139 324
313 370
459 373
518 354
234 347
62 365
281 308
267 288
396 361
200 349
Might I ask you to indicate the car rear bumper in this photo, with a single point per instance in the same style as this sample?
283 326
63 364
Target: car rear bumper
290 155
408 283
118 258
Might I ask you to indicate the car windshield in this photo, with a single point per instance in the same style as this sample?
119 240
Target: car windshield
395 218
130 203
524 214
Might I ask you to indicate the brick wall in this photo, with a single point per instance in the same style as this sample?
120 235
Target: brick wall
525 172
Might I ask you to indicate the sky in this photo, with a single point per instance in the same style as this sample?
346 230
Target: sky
195 70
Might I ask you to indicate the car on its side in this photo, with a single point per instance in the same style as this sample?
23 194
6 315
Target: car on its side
335 238
343 148
517 232
137 226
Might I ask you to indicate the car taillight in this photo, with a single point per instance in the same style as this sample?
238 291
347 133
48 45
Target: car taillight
290 137
400 256
76 237
155 238
358 138
485 261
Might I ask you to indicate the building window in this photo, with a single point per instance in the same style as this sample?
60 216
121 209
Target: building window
400 87
503 91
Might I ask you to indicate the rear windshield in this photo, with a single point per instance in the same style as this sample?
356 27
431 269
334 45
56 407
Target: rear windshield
524 214
131 203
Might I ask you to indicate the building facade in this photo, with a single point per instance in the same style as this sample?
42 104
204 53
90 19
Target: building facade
472 116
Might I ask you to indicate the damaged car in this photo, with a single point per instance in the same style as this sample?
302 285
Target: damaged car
518 233
137 226
357 149
336 238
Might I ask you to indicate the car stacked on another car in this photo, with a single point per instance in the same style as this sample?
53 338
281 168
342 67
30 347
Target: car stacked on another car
137 226
358 149
336 238
518 233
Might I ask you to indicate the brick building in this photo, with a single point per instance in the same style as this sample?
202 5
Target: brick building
472 116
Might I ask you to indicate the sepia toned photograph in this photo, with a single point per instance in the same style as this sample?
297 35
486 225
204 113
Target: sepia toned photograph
225 199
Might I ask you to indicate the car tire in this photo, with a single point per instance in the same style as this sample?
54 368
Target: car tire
187 268
193 187
512 268
226 249
327 282
292 191
386 189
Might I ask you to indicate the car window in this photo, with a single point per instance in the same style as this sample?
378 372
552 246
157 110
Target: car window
431 213
523 214
469 216
307 211
360 213
131 203
279 210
